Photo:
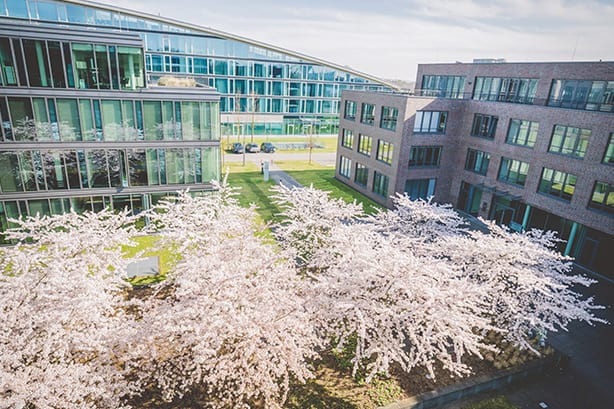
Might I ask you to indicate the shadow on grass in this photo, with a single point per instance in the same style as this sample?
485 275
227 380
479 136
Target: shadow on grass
314 396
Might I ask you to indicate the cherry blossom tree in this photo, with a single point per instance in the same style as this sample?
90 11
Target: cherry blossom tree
233 323
416 287
63 330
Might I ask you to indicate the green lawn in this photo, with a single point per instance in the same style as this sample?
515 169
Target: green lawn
253 188
323 178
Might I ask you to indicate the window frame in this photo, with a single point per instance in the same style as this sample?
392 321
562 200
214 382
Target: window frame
484 126
545 185
441 124
385 151
367 113
579 149
428 156
602 206
510 165
477 161
388 119
365 144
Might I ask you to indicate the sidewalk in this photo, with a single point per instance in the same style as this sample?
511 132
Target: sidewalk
279 176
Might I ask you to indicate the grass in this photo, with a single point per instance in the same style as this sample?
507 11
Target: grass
253 188
323 178
149 247
498 402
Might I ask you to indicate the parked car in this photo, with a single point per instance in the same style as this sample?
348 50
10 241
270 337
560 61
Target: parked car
267 147
237 147
252 148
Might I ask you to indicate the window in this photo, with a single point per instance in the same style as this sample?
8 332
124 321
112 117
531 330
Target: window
380 184
361 174
522 132
350 110
367 115
517 90
484 126
424 155
345 166
347 139
443 86
385 151
558 184
389 118
513 171
568 140
581 94
477 161
364 144
420 188
430 122
603 197
608 158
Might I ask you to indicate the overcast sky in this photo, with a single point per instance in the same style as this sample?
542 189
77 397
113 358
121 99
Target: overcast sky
388 38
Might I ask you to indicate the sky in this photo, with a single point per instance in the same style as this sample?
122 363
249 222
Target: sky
388 38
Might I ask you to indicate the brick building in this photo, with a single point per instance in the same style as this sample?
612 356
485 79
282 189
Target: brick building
526 144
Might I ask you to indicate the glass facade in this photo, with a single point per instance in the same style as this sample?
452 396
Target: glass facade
569 140
484 126
345 166
347 138
385 150
424 156
365 143
522 132
578 94
420 188
430 122
513 171
81 131
602 197
608 156
361 174
443 86
558 184
251 77
516 90
380 184
477 161
389 118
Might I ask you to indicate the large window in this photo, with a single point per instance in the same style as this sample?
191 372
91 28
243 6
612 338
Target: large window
364 144
568 140
608 157
345 166
380 184
443 86
484 126
424 155
389 118
361 174
517 90
420 188
522 132
477 161
347 138
602 197
350 110
556 183
579 94
513 171
430 122
385 150
367 115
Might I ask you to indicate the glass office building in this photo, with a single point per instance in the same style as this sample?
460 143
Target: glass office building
81 130
264 89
